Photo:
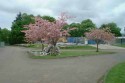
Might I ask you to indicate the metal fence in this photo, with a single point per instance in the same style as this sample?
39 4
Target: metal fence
76 40
81 40
119 41
2 44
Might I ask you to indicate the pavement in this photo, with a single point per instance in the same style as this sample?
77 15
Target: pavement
17 67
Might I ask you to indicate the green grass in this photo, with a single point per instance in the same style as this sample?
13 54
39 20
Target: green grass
72 53
35 45
85 47
116 74
120 45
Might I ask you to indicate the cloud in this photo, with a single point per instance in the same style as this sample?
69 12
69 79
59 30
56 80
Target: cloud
100 11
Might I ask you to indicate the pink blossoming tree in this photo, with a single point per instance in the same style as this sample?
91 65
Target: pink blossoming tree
43 30
99 35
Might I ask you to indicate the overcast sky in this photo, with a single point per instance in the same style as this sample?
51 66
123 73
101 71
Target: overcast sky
99 11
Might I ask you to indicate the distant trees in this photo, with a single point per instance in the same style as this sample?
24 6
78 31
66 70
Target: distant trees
99 35
76 32
82 27
49 18
86 25
4 35
113 28
16 36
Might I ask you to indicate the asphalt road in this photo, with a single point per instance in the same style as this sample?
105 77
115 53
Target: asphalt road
17 67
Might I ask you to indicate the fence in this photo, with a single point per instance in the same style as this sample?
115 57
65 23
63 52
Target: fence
76 40
120 40
81 40
2 44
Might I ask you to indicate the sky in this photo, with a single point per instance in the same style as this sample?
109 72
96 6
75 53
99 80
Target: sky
99 11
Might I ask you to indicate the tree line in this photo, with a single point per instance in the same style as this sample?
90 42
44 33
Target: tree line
16 36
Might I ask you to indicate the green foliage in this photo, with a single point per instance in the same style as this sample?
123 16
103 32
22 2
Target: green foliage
17 36
76 32
4 35
85 26
49 18
116 74
113 27
66 26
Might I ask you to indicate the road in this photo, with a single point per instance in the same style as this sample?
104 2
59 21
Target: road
17 67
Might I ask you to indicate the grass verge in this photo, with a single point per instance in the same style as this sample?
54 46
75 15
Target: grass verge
71 53
85 47
120 45
116 74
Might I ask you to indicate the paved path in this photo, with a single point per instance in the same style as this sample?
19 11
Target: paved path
17 67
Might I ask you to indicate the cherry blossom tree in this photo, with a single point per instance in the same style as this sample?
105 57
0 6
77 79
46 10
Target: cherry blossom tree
99 35
43 30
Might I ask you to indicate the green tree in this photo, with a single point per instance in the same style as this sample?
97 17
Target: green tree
113 28
4 35
86 25
49 18
17 36
76 32
81 28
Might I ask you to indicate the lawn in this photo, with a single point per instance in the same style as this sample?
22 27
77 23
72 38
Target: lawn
116 74
76 47
35 45
84 47
120 45
74 51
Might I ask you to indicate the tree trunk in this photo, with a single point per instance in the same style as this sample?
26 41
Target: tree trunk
54 50
42 45
97 49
